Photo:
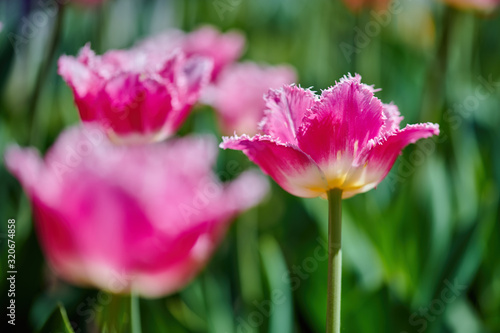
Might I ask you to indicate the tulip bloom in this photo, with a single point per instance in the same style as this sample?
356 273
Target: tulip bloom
237 96
335 145
346 139
222 48
142 218
138 95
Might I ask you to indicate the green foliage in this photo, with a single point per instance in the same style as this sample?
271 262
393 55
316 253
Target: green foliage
57 322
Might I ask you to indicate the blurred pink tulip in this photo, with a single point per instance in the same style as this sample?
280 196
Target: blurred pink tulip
238 94
222 48
145 218
346 139
139 95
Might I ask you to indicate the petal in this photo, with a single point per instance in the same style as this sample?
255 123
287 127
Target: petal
392 119
132 104
196 71
379 159
238 94
28 167
85 85
340 125
285 109
190 77
293 170
223 49
246 191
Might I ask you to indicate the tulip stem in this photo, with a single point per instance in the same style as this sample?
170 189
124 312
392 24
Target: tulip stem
135 313
334 260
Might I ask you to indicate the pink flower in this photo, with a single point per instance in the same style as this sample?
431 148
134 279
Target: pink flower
481 5
346 139
142 217
207 41
139 95
238 94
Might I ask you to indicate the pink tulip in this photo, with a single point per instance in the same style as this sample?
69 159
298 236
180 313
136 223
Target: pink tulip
145 218
238 94
138 95
346 139
207 41
481 5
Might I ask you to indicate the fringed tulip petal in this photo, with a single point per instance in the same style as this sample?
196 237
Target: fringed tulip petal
380 158
333 133
286 108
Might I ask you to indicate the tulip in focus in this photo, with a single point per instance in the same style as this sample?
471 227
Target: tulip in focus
336 145
237 95
143 218
345 139
138 95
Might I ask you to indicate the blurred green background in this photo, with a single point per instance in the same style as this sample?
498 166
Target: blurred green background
421 252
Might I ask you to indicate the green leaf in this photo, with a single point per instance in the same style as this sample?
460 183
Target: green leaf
58 322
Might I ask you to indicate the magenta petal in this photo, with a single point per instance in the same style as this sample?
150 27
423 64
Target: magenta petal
85 85
195 75
379 160
285 109
293 170
340 125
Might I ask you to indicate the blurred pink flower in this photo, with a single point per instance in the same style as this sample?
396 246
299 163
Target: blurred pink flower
145 217
346 139
482 5
222 48
138 95
238 94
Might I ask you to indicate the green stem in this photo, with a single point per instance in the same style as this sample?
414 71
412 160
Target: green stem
334 260
135 313
44 70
